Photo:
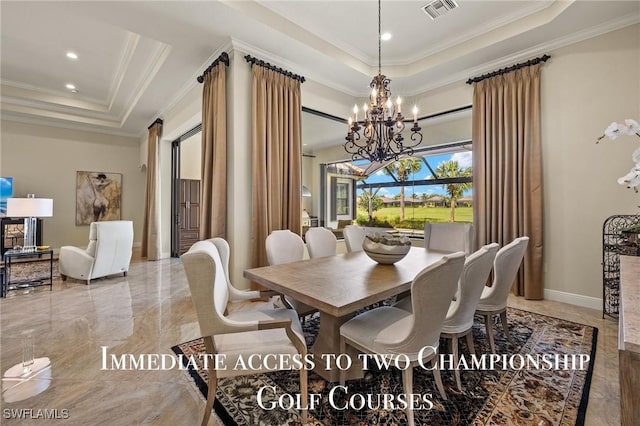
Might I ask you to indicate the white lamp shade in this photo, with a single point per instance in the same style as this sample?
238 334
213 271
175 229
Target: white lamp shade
29 207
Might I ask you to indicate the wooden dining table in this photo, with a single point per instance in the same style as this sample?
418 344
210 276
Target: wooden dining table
338 286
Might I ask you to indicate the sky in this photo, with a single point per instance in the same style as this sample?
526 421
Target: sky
463 159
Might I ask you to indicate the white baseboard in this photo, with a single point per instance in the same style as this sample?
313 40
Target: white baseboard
573 299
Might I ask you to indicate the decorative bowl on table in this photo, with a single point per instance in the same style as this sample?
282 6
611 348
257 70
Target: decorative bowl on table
385 248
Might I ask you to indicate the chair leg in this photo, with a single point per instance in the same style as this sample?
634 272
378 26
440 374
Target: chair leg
505 326
212 384
124 274
436 375
489 326
63 276
88 282
470 346
456 371
407 386
303 394
343 349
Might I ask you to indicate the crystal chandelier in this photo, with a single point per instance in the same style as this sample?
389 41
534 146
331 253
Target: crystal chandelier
383 122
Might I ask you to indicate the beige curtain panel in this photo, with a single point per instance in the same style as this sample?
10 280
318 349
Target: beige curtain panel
507 169
213 206
277 158
151 241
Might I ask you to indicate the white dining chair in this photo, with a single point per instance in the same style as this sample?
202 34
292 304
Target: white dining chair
321 242
354 237
448 237
235 295
493 300
459 320
275 332
390 330
284 246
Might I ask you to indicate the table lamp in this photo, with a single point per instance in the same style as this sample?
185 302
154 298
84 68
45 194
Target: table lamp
30 209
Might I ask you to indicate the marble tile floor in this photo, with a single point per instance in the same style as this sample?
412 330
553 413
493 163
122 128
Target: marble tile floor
149 311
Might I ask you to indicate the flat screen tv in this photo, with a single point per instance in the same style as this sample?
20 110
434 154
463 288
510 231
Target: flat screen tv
6 191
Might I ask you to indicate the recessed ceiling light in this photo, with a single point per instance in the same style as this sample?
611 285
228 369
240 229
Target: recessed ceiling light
70 86
72 55
385 36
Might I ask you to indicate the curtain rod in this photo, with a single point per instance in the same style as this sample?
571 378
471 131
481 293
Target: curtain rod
224 58
530 62
261 63
158 121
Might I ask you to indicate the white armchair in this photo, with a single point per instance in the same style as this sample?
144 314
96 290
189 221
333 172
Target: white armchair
261 332
109 252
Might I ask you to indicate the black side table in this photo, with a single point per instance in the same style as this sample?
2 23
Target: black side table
9 258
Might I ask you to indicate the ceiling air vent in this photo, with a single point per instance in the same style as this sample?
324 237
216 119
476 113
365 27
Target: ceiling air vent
439 7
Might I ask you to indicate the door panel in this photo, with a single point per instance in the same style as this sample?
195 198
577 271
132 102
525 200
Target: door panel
189 213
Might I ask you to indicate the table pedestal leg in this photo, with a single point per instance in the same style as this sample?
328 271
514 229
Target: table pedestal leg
328 342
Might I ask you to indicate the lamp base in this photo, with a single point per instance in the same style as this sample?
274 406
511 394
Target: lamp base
30 230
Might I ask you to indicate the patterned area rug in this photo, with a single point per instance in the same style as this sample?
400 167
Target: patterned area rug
36 268
490 397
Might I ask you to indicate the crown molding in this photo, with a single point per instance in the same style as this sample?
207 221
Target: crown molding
159 57
129 49
23 119
293 67
486 28
16 89
189 84
463 75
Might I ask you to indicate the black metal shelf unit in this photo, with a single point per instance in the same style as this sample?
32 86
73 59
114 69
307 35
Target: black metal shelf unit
619 237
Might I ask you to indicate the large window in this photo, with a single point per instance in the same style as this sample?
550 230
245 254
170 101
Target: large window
434 185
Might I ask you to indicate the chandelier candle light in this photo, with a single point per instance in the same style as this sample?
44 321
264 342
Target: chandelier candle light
382 122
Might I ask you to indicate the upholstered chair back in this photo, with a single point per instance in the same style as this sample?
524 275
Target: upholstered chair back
449 237
224 251
284 247
111 245
505 268
354 237
321 242
431 293
208 286
472 280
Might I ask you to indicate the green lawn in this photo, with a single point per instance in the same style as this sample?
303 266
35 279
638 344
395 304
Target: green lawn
421 214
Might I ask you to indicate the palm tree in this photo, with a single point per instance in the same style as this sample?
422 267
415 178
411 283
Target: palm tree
451 169
370 201
401 170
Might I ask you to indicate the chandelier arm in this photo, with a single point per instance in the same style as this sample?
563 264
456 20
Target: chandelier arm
382 127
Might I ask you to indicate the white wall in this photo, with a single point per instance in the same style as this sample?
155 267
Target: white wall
44 160
585 87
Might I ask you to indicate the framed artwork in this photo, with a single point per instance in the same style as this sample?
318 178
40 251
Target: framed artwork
6 191
98 197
